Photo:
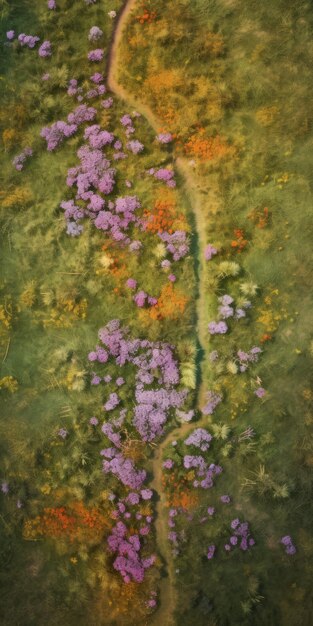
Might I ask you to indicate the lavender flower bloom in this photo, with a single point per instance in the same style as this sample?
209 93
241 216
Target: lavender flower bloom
225 499
18 161
95 33
51 4
28 40
226 299
62 432
168 464
120 381
131 283
5 487
217 328
140 298
235 523
97 78
213 399
45 49
239 313
112 402
225 311
209 252
95 55
146 494
199 438
94 421
135 146
211 510
164 137
211 551
172 278
107 103
289 546
10 35
260 392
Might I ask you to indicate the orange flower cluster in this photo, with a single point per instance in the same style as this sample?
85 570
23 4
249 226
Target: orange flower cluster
147 16
178 494
239 243
208 149
265 338
171 304
168 116
162 217
74 522
260 217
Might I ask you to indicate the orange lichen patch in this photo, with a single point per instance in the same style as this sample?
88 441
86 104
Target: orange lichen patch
171 305
168 116
260 217
74 522
208 148
239 243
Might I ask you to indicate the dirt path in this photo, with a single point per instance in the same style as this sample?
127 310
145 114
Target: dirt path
168 597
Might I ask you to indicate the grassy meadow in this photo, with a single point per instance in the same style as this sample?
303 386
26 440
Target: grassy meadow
231 81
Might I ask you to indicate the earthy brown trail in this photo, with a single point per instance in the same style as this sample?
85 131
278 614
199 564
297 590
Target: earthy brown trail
169 597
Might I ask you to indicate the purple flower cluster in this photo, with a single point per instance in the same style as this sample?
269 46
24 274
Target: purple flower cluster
248 357
51 4
45 49
260 392
10 35
127 123
217 328
241 533
209 252
58 131
164 174
96 55
5 487
213 399
200 438
128 560
28 40
164 137
124 470
287 542
19 160
226 310
95 33
62 432
205 472
177 243
135 146
168 464
211 551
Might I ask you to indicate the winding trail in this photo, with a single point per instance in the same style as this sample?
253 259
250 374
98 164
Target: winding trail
168 593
